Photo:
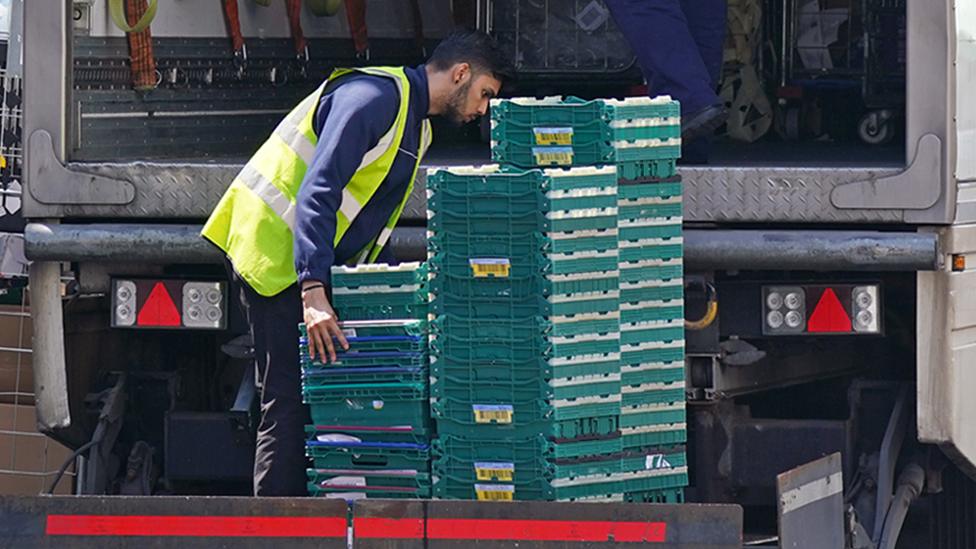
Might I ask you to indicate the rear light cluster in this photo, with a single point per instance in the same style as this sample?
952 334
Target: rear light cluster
173 304
821 309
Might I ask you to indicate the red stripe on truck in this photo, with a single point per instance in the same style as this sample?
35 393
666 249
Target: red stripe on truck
195 526
384 528
546 530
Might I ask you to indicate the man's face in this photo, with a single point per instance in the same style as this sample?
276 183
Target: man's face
470 97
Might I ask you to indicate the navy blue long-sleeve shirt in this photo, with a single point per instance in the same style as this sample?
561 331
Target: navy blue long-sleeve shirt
352 117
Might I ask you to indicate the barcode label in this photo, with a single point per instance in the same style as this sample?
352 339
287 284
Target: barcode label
495 471
495 492
498 413
490 267
553 136
559 156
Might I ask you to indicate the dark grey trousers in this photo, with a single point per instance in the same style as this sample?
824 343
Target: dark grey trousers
279 458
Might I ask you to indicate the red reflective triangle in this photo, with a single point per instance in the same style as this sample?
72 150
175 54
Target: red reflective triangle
159 309
829 315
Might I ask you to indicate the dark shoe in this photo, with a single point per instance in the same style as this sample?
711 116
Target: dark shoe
703 122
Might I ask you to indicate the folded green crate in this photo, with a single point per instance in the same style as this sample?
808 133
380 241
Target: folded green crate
370 484
491 419
651 249
645 229
585 365
669 495
462 387
368 434
643 374
582 241
588 406
659 330
643 169
654 435
643 415
641 270
369 404
585 386
661 458
646 311
652 393
378 274
584 344
641 189
589 323
369 455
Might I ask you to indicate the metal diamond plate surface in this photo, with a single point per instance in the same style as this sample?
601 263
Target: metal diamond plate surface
787 195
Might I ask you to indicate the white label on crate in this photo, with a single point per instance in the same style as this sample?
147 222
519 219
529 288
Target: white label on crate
490 267
493 413
657 461
494 471
558 156
553 136
349 332
495 492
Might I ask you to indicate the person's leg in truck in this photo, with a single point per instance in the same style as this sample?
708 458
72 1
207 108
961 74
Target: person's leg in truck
665 38
279 457
707 21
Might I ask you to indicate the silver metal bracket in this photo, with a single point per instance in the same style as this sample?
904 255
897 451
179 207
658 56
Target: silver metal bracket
50 182
906 190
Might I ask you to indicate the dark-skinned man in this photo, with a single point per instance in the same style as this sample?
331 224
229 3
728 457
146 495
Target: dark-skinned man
327 189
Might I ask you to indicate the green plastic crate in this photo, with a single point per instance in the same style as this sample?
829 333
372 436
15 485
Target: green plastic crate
623 462
585 344
379 296
378 274
533 490
369 455
594 323
585 365
581 241
475 460
638 375
490 309
642 332
365 359
489 371
375 484
669 413
651 208
312 377
378 404
582 283
640 189
652 393
585 427
651 249
463 387
463 346
656 435
595 219
643 169
589 446
586 386
647 311
405 434
663 228
652 290
671 495
589 261
652 352
574 111
653 269
583 407
487 419
588 198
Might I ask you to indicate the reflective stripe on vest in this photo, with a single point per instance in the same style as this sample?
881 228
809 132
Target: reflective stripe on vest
254 221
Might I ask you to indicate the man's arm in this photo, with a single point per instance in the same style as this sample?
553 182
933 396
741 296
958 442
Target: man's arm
350 121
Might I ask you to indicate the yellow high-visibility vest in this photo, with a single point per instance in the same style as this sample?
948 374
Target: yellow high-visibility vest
254 221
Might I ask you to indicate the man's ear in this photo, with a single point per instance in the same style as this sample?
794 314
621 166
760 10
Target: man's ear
460 72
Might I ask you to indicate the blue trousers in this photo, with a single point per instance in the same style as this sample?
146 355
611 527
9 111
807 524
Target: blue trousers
678 44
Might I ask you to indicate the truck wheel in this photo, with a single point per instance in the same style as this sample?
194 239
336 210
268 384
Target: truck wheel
876 128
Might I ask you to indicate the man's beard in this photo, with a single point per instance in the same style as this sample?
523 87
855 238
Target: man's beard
455 105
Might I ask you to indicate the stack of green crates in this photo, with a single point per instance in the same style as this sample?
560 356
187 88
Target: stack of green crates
525 288
641 137
371 427
652 312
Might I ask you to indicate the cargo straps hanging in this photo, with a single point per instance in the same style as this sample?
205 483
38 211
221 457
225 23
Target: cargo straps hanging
118 11
134 17
233 18
294 8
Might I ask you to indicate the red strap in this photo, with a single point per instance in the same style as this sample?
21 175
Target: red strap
233 24
295 21
143 63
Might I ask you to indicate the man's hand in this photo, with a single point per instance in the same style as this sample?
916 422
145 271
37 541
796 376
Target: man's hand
322 324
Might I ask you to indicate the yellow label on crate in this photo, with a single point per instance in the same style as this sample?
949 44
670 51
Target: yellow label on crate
494 471
493 413
490 267
553 136
558 156
495 492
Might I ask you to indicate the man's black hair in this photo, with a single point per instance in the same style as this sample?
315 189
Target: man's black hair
474 48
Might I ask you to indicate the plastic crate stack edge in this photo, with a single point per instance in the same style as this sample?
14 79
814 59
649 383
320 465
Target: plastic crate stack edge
371 428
